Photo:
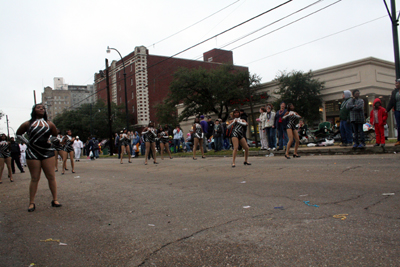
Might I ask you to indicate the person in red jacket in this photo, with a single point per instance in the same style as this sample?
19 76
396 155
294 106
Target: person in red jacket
378 118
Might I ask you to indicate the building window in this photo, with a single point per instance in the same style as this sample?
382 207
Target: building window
120 101
119 87
131 81
133 109
131 68
132 95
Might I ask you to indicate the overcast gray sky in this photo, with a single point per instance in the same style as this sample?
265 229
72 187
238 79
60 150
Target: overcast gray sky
46 39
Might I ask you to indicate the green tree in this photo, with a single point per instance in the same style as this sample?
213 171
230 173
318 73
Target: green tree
166 113
91 120
303 91
203 91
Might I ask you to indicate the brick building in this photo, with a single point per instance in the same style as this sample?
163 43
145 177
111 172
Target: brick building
148 78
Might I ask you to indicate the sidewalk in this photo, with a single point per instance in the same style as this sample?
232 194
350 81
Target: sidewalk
333 150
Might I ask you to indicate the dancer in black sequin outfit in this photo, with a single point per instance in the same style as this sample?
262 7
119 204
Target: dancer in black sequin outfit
125 140
5 157
292 118
57 148
39 153
149 136
68 150
238 137
198 137
164 141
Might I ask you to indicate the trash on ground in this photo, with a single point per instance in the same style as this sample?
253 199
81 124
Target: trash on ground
246 207
303 195
388 194
76 177
151 225
243 182
279 208
311 144
341 216
51 240
62 244
311 205
32 264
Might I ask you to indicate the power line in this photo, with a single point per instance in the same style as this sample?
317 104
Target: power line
312 13
315 40
193 24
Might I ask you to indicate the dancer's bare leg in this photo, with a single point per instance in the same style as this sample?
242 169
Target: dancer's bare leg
1 167
35 168
196 142
8 163
48 169
153 148
235 142
146 153
243 143
71 157
128 150
168 150
162 146
290 142
122 153
64 157
296 137
201 147
56 159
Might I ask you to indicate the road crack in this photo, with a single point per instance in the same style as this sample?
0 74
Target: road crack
350 168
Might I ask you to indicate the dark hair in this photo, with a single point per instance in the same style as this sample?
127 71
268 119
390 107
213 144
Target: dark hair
1 136
150 123
263 109
196 120
355 91
289 107
33 113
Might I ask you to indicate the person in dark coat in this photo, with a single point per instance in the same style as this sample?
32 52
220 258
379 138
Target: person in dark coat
15 155
394 103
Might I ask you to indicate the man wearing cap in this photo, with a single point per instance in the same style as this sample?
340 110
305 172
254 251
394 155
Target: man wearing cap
346 131
77 145
394 103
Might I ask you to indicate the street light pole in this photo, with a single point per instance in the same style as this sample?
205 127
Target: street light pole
395 23
126 93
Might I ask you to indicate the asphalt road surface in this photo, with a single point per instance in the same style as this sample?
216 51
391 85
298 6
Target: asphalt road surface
183 212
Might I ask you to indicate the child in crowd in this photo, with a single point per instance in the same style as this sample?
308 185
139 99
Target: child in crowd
378 118
357 118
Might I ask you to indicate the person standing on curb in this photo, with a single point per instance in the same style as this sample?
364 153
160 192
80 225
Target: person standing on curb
261 128
204 127
394 103
346 131
378 118
270 128
22 148
357 118
15 155
177 138
281 124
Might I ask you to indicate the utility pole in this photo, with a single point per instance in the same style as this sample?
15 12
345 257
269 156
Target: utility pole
8 130
109 110
395 23
34 96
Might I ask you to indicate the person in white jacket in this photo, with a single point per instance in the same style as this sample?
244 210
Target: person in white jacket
22 148
77 145
270 127
261 128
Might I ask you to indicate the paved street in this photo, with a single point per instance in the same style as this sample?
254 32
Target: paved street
204 213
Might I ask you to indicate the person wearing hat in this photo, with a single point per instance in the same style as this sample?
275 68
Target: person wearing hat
394 103
78 145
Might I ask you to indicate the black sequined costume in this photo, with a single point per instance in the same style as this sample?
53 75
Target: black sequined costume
164 138
198 131
57 145
149 135
38 145
68 144
292 120
125 140
4 149
237 130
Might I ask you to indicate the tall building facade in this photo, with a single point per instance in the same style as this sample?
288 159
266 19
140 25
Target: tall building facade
66 96
148 78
